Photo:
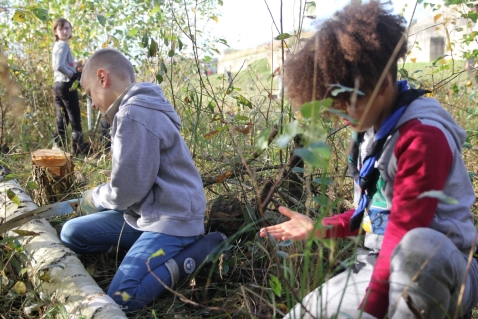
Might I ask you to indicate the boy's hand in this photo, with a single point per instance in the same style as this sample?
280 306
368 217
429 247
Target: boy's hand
299 227
86 206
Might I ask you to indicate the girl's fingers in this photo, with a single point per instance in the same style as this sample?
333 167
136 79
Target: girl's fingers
287 212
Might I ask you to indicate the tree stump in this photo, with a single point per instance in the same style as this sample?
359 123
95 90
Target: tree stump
52 171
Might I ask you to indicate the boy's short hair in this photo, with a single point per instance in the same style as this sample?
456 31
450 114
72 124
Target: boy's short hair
111 60
356 43
60 22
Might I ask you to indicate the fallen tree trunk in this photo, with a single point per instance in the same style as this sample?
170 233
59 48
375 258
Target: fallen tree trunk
67 282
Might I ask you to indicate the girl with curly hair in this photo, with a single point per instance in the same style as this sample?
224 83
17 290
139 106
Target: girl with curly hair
406 154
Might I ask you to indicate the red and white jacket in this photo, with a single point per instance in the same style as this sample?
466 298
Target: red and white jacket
423 154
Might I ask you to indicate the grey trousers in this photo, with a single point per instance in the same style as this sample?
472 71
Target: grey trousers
426 268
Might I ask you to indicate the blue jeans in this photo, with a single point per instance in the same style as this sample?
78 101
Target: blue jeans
134 284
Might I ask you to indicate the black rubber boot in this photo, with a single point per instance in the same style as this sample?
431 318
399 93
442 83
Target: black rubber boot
80 147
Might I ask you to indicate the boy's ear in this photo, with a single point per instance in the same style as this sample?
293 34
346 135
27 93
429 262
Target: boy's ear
387 82
103 77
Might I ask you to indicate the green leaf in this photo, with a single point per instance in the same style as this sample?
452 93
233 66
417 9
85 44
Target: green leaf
323 181
241 100
145 40
467 145
153 48
282 254
124 295
438 195
299 170
311 110
155 10
74 86
321 148
6 240
162 67
225 269
310 8
471 175
159 78
170 53
160 252
322 200
339 88
41 14
116 43
316 155
291 130
309 157
283 36
22 232
434 63
133 32
262 142
223 41
327 242
249 214
19 16
342 114
285 243
13 197
271 239
275 284
211 105
240 118
101 19
180 44
10 177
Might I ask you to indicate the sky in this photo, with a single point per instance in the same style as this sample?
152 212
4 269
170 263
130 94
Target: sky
248 23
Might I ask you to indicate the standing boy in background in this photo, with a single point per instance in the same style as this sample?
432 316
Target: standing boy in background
154 185
421 264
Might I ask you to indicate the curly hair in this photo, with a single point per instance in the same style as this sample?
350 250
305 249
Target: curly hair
355 44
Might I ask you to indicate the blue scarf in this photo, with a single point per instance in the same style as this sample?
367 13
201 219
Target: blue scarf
368 176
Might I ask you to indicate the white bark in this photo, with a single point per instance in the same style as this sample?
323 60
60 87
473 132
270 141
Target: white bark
69 283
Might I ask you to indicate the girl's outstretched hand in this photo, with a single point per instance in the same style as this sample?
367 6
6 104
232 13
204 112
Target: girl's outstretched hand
299 227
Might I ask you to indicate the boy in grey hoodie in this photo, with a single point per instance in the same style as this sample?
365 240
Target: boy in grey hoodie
154 203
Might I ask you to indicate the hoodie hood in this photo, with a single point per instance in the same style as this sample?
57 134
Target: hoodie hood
430 109
150 96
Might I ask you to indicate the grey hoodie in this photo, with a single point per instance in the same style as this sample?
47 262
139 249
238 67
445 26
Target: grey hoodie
453 220
153 175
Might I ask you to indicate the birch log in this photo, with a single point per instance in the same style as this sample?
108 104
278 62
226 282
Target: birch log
68 282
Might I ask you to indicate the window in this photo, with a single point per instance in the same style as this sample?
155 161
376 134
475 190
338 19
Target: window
437 47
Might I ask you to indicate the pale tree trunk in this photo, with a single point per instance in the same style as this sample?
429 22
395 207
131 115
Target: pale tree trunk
68 282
